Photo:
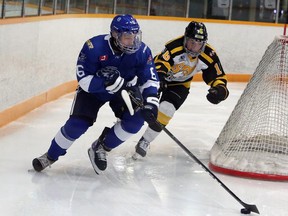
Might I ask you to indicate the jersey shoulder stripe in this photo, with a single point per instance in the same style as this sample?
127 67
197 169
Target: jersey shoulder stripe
208 55
175 46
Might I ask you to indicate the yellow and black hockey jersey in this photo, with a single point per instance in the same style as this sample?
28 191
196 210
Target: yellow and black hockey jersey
180 67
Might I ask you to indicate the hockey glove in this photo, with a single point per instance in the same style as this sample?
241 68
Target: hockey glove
136 94
163 82
114 85
150 109
217 94
113 81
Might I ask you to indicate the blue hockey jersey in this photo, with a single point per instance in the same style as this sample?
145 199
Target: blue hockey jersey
97 53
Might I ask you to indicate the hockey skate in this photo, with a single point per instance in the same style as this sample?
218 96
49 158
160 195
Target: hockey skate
141 148
42 162
97 153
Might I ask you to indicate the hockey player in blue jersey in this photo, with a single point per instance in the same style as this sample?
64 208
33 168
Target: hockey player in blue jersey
106 65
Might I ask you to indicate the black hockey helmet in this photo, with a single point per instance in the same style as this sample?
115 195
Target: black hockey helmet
196 31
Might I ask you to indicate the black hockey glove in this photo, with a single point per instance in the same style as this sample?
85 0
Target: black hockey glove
217 94
163 82
113 80
135 93
150 109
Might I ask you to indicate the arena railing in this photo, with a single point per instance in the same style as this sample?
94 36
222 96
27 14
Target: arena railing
271 11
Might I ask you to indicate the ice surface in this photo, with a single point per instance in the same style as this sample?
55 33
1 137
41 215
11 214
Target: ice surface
165 183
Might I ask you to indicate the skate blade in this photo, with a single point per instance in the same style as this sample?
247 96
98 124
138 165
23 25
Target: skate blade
90 154
31 170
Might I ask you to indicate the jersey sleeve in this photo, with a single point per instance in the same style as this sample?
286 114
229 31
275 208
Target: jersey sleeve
147 75
87 66
214 74
164 61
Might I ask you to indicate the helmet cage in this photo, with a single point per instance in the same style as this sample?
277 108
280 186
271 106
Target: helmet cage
191 52
128 49
122 25
197 32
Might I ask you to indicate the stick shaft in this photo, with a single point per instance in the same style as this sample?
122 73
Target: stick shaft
252 208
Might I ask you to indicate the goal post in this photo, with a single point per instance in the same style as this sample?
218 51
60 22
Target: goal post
254 141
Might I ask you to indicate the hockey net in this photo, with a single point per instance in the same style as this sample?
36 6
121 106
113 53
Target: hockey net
254 141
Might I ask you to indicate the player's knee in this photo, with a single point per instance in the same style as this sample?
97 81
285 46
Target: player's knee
167 108
132 126
75 127
156 126
166 112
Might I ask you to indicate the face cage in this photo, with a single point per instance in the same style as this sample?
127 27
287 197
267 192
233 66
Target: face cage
194 54
129 49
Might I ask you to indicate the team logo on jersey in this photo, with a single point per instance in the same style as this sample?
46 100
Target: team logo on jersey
212 53
182 57
89 44
149 60
182 69
103 58
82 57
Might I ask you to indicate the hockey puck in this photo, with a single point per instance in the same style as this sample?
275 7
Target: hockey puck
245 211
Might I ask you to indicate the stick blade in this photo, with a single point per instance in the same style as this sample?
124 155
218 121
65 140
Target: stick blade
252 208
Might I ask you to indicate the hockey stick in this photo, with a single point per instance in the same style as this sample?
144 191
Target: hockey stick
127 101
248 207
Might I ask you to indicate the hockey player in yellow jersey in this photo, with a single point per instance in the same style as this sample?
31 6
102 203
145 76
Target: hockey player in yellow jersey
176 65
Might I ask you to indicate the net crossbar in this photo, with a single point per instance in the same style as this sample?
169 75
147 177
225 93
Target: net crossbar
254 140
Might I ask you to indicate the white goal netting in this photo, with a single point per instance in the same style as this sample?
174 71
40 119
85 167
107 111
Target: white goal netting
254 140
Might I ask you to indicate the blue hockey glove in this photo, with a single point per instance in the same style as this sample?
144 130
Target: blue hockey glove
113 80
150 109
114 86
217 94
